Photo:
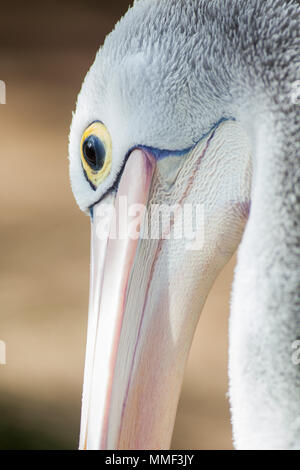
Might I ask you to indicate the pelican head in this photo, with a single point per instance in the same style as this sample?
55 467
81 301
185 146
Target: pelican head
181 124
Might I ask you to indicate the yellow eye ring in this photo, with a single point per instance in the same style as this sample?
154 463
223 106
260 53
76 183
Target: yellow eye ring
96 153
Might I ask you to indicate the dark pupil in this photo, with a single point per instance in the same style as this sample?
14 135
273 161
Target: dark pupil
94 152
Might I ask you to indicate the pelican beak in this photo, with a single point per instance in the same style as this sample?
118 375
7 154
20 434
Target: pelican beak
134 363
114 241
146 293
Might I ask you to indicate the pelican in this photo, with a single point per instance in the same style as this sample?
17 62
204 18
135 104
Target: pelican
189 104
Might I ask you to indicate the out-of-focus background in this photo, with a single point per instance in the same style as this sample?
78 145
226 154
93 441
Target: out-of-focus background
45 50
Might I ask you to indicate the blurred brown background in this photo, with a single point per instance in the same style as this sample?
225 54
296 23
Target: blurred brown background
45 50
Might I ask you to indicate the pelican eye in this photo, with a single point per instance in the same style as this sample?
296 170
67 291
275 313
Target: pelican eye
96 153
